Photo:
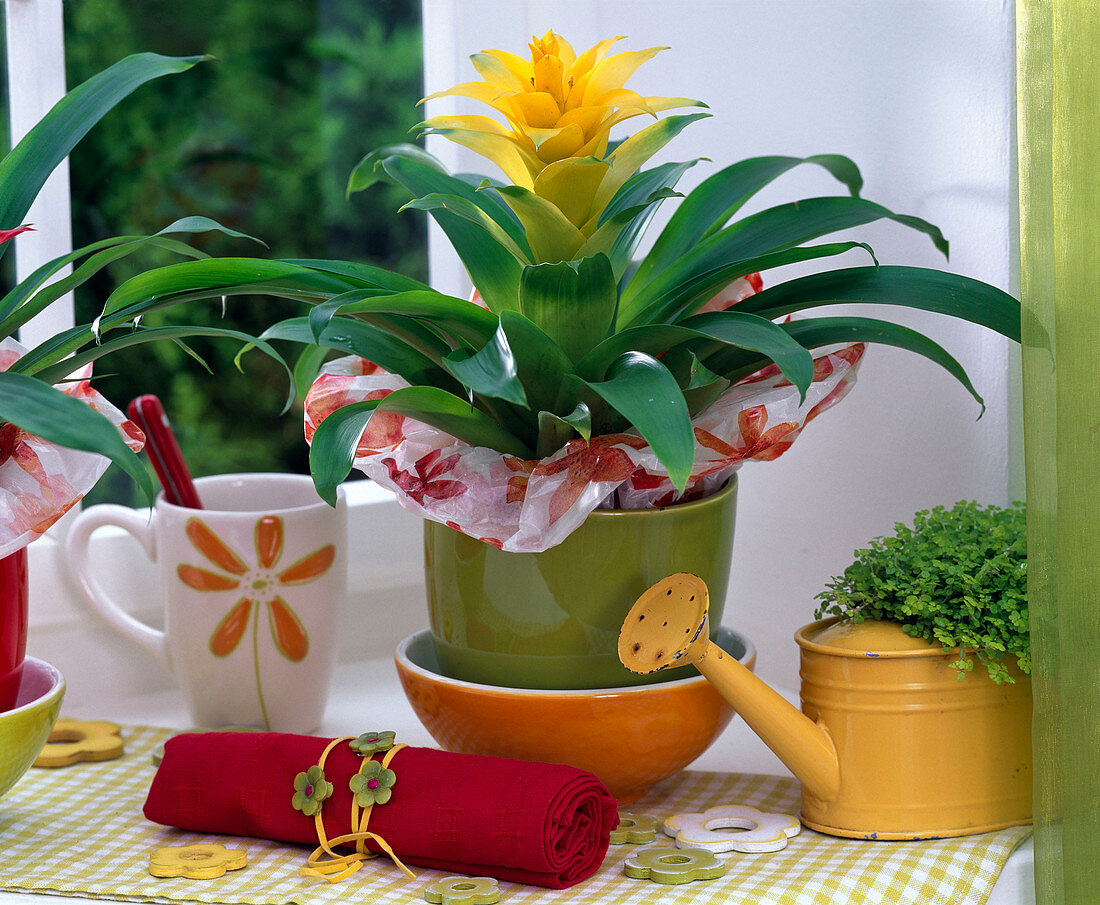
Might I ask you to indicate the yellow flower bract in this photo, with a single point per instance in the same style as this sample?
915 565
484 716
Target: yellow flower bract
559 109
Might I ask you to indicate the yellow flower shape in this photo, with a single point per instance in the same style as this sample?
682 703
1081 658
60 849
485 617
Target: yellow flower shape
196 862
81 740
560 109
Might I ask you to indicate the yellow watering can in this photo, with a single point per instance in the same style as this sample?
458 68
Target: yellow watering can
890 744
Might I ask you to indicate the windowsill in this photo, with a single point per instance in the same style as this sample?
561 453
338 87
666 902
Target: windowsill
108 678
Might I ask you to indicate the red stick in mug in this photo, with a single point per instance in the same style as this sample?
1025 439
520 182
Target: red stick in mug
164 452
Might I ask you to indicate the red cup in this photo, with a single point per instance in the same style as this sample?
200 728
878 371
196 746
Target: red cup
13 625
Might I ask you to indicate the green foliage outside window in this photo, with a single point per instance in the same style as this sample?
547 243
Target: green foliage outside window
262 141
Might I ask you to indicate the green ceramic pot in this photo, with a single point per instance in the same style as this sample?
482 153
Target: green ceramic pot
551 620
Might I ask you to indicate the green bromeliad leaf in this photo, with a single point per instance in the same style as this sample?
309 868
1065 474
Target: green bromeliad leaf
365 276
751 332
218 276
37 407
642 185
713 331
629 155
635 191
826 331
710 205
686 287
616 235
701 386
368 171
771 231
333 450
493 269
491 371
520 361
368 341
542 366
703 392
646 394
468 323
574 304
555 431
911 287
24 170
473 214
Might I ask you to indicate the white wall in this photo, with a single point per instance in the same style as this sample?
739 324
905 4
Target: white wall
920 93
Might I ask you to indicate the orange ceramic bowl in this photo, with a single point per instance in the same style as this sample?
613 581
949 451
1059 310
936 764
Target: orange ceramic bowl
629 737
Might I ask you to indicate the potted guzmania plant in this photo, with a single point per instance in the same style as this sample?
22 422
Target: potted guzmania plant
573 436
58 434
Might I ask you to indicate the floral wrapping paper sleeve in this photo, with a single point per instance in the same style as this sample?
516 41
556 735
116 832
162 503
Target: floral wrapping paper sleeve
40 481
530 506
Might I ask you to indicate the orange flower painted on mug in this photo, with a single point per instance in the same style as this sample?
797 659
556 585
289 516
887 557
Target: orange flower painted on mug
260 583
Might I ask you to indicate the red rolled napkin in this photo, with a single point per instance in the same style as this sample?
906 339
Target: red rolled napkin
540 824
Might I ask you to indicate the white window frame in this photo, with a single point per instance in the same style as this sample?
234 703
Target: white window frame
35 57
35 51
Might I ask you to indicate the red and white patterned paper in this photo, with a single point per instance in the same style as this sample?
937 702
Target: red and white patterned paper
530 506
40 481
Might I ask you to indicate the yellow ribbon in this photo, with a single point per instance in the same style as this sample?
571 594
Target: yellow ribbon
336 867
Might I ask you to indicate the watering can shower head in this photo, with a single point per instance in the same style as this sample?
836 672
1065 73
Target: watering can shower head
667 626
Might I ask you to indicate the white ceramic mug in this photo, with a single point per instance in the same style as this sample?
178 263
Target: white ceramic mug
252 584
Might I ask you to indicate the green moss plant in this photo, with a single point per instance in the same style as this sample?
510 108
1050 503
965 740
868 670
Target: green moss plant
957 577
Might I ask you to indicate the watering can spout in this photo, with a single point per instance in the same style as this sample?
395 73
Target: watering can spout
669 626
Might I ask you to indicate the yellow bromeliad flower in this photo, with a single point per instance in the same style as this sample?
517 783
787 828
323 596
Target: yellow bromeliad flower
560 109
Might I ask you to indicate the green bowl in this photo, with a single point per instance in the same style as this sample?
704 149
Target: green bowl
25 728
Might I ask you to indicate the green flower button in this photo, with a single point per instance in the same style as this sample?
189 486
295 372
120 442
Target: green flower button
310 789
372 784
373 742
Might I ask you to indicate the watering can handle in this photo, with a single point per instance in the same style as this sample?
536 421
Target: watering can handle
804 746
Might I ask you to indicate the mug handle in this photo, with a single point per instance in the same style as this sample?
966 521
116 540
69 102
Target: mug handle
76 552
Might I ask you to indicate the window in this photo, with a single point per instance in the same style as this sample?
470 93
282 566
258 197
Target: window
261 140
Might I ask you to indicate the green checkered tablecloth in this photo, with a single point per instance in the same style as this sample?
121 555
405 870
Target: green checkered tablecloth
79 830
